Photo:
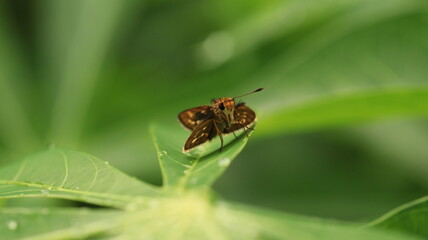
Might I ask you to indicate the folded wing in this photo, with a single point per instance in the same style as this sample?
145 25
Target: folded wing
192 117
203 132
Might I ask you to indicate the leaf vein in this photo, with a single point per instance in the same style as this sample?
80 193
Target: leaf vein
18 173
66 168
96 172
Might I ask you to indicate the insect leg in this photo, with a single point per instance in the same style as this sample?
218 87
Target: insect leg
219 134
234 134
246 133
252 129
245 129
221 140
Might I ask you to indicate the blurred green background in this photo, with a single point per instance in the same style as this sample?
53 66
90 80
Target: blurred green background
90 75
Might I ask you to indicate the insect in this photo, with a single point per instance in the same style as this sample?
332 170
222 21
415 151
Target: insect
222 117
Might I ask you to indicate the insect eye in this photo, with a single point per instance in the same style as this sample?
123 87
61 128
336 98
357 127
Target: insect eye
221 106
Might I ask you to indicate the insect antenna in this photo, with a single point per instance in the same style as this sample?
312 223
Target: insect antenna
257 90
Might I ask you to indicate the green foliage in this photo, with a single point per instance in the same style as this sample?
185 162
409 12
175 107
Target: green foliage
184 206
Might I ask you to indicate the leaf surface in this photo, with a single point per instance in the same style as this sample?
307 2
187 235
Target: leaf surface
409 218
187 215
266 224
28 223
71 175
202 166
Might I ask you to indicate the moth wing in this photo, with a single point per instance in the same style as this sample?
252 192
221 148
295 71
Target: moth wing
244 116
203 132
192 117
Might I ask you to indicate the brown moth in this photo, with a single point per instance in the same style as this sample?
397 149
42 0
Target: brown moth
222 117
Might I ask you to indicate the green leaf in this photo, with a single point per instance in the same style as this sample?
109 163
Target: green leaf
409 218
191 216
71 175
187 215
202 166
266 224
27 223
346 109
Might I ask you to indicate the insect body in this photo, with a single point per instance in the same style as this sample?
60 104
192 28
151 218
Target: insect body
222 117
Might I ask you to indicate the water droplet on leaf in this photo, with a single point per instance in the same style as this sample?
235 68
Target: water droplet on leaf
12 225
224 162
